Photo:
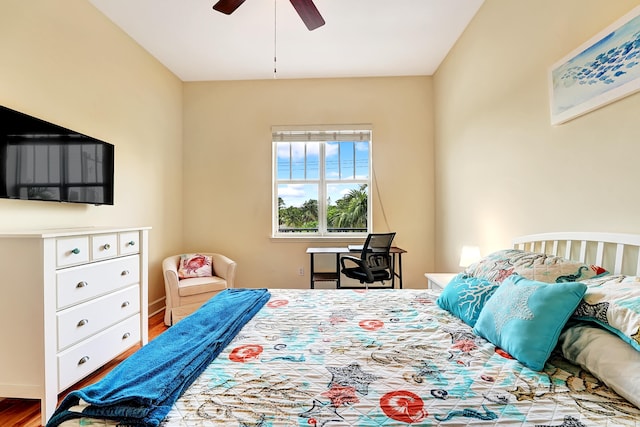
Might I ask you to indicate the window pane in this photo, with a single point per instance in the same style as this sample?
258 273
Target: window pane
347 156
298 160
362 160
297 208
283 160
313 160
332 162
347 160
347 208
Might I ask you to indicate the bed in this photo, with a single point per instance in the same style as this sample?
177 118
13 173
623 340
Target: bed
414 357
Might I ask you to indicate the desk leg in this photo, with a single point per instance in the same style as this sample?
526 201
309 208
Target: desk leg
311 272
337 271
393 270
400 269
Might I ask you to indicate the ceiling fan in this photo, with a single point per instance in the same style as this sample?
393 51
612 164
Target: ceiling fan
305 8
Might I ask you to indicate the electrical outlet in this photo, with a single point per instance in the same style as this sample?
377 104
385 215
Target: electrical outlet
300 271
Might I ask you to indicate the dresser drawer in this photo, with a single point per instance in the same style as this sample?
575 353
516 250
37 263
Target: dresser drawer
129 242
81 283
80 360
79 322
104 246
72 250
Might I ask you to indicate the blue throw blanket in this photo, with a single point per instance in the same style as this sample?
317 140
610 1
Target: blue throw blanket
141 390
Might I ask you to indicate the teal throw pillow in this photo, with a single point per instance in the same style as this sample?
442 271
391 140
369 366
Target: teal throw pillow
525 318
465 296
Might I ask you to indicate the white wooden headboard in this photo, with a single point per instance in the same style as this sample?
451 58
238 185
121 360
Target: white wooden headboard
618 253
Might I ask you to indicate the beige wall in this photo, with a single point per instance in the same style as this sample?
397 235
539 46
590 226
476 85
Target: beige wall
64 62
71 66
227 167
501 169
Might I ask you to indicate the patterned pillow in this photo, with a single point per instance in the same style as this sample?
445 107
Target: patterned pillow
195 265
540 267
524 317
613 302
465 296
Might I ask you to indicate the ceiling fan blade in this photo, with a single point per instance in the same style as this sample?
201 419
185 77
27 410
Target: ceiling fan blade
309 13
227 6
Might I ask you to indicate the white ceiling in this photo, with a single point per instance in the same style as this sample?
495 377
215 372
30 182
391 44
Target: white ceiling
361 38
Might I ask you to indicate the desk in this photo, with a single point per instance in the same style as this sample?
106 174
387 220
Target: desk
334 276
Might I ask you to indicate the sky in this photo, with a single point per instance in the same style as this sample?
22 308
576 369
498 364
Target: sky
339 161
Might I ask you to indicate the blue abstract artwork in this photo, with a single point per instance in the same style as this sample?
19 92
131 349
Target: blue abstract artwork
603 70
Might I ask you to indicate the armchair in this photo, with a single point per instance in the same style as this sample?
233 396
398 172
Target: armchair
187 295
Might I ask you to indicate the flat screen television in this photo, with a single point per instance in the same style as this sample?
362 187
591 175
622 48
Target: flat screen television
43 161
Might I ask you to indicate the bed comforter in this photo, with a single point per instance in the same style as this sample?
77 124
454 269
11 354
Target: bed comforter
382 358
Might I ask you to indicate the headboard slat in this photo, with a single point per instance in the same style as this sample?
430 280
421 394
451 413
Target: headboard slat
583 250
619 255
626 246
600 254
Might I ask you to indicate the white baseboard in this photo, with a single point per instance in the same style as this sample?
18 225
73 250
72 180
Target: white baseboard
157 306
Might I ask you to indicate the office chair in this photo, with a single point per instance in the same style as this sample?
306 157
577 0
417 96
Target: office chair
374 264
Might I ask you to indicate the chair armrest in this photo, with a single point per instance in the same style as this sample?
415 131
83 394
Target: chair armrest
170 269
170 272
361 265
224 267
352 259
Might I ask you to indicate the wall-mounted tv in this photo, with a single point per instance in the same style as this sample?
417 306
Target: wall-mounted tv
43 161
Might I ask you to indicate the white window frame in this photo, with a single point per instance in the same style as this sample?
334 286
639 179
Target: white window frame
321 134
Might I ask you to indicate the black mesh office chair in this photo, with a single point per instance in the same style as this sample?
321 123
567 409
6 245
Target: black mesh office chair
374 264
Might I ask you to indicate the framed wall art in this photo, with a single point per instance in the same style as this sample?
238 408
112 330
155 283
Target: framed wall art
602 70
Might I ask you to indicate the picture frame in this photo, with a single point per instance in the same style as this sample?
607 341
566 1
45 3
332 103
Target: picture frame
602 70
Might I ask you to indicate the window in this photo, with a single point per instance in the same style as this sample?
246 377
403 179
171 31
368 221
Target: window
322 182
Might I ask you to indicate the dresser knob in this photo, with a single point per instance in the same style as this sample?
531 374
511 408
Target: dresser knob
83 322
131 243
124 272
126 335
107 246
84 360
125 304
75 251
82 284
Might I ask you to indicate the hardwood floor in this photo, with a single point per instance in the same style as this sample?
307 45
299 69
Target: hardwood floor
26 412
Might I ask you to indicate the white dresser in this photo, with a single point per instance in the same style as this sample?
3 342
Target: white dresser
70 301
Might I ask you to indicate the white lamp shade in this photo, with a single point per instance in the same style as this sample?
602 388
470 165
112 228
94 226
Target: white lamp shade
469 255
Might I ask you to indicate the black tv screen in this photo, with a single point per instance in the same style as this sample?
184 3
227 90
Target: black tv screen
43 161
